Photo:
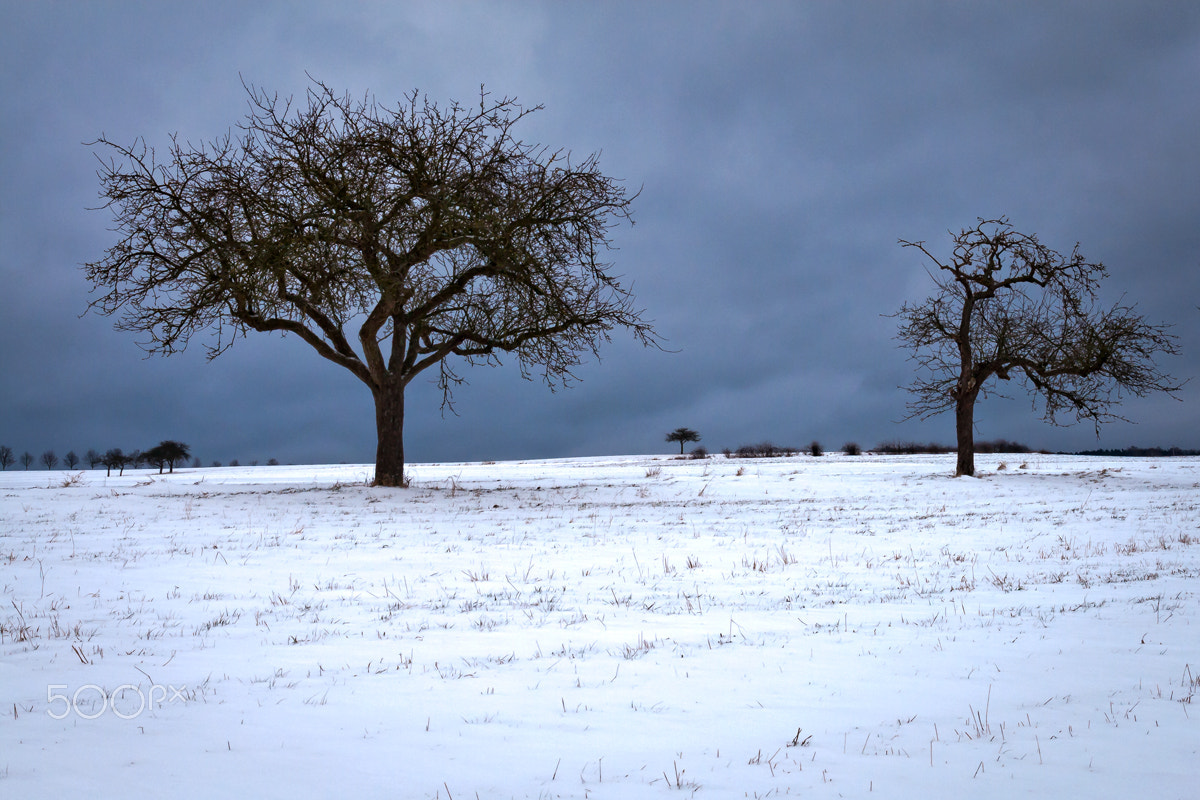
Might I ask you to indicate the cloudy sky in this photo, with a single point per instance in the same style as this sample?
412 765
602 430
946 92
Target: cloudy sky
782 150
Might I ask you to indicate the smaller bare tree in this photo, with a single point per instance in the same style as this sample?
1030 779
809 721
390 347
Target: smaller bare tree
6 456
683 436
49 459
1008 306
70 459
26 459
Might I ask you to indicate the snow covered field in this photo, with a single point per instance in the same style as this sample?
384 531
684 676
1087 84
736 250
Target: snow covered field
605 628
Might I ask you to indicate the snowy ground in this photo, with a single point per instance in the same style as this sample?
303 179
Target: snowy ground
607 628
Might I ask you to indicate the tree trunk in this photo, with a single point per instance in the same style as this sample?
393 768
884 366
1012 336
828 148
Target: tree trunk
964 424
389 425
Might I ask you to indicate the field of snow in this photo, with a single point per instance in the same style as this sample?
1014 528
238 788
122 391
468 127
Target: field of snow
619 628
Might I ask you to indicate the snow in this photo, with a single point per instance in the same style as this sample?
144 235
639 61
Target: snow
635 627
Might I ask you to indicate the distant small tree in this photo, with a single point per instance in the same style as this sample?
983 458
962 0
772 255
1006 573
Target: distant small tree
815 449
273 462
70 459
166 454
6 456
115 459
683 436
155 458
49 459
852 449
196 463
26 459
235 463
93 458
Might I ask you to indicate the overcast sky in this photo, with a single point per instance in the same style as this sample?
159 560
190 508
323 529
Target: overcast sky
782 150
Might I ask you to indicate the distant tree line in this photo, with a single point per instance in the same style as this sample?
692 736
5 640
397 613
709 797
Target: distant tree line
912 448
1141 452
768 449
165 455
49 459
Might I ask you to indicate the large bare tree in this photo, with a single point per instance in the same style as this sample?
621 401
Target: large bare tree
1008 306
389 239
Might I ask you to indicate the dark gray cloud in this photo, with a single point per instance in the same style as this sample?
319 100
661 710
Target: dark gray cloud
781 150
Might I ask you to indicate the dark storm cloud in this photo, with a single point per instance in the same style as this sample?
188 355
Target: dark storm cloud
781 149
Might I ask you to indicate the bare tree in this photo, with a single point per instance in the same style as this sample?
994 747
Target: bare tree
387 239
93 458
49 459
683 435
6 456
1008 306
26 459
70 459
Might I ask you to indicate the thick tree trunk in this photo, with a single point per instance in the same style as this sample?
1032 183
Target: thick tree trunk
389 424
964 424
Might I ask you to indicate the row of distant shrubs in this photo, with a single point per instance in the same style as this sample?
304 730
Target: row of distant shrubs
1142 452
771 450
911 448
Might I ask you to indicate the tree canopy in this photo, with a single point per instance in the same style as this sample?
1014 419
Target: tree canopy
683 435
389 239
166 454
1006 306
